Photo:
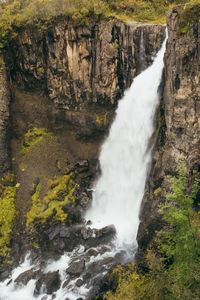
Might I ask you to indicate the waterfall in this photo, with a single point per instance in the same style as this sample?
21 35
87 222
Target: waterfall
125 156
125 159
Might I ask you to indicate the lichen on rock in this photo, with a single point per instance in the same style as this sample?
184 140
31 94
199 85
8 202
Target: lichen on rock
33 137
51 206
8 212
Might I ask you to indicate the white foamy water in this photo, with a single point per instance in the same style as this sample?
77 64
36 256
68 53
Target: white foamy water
124 160
125 156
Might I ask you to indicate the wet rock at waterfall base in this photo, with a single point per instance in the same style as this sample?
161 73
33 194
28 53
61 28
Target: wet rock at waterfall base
86 233
26 276
92 252
51 281
85 201
120 256
76 268
5 274
66 282
79 282
61 238
102 236
105 231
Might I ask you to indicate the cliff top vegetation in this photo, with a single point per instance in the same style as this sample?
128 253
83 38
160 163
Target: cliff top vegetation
18 13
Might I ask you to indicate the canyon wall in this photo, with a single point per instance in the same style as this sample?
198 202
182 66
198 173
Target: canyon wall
178 123
79 64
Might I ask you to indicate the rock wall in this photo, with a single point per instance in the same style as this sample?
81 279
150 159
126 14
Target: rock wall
4 118
179 121
79 64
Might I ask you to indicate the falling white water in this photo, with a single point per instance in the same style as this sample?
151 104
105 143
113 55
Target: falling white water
125 156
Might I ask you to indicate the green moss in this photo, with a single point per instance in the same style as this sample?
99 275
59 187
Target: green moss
33 137
7 212
50 207
157 192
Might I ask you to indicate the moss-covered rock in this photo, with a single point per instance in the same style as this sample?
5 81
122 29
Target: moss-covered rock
33 137
51 206
157 192
7 212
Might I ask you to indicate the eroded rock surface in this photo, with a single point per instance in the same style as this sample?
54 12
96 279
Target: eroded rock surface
84 64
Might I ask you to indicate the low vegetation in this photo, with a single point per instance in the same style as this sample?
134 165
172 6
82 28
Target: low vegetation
18 13
189 15
8 212
51 207
173 262
33 137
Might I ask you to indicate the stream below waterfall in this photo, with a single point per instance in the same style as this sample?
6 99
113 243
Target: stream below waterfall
125 160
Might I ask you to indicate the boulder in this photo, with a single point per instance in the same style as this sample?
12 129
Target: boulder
66 282
51 281
105 231
102 236
84 201
86 233
92 252
53 232
64 232
76 268
79 282
26 276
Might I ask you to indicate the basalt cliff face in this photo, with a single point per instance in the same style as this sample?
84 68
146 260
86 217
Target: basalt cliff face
84 64
179 127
